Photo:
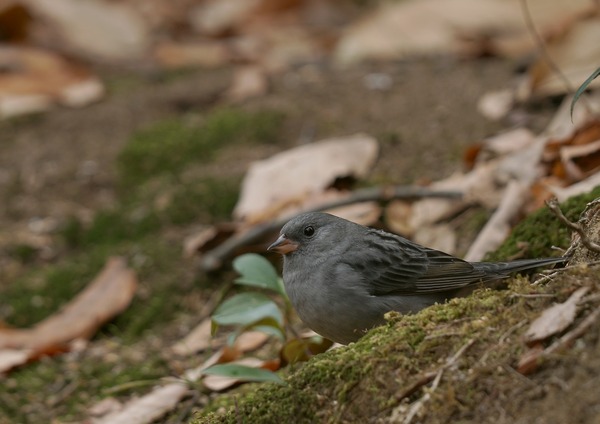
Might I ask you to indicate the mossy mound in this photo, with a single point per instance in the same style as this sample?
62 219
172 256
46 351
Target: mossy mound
458 361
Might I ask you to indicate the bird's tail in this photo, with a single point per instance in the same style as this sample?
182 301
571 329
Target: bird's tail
507 268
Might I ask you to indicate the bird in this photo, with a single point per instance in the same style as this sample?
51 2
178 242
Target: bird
342 277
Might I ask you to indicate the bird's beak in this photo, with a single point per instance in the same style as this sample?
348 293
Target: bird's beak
283 245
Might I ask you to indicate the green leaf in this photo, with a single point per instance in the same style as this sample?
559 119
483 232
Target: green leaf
269 329
243 373
246 309
257 271
582 88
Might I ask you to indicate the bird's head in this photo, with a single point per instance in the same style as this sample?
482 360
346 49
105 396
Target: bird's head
311 232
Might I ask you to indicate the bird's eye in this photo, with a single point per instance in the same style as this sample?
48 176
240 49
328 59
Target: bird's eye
309 231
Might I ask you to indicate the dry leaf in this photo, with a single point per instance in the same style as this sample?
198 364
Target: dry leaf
398 216
437 236
199 339
495 105
95 29
576 53
399 29
250 340
498 226
35 79
207 238
148 408
297 174
511 141
11 358
529 360
203 54
365 213
104 407
554 319
108 295
248 81
581 187
396 30
215 17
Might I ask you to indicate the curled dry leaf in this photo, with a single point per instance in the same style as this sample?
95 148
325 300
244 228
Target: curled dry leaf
106 296
555 319
293 176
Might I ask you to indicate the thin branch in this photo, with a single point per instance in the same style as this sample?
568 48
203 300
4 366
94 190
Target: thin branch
555 208
214 259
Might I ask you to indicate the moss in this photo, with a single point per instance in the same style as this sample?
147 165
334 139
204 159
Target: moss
24 253
168 146
206 200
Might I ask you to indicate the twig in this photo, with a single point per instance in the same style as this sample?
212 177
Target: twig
555 272
555 208
532 295
416 407
214 259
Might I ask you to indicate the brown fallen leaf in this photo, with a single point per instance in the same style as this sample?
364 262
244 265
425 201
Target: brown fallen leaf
498 226
250 340
528 362
554 319
36 78
197 340
148 408
576 52
106 296
202 54
297 174
248 81
94 29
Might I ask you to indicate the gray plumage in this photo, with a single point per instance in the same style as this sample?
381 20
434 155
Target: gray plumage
342 277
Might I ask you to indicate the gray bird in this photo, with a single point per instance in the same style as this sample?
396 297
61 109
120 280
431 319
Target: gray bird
342 277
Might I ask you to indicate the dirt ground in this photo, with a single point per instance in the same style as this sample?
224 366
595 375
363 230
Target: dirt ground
62 164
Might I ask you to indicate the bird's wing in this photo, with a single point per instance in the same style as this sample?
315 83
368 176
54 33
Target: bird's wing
395 265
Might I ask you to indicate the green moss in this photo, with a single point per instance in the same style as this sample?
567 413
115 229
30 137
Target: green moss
168 146
24 253
534 236
207 200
